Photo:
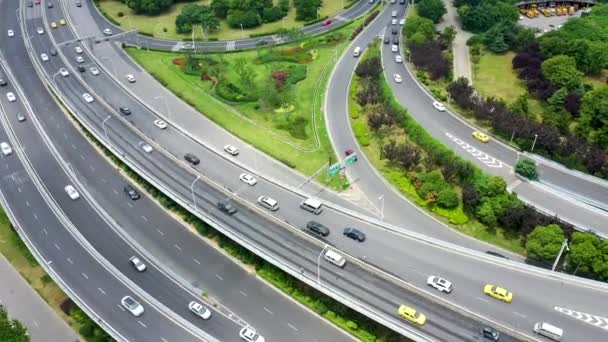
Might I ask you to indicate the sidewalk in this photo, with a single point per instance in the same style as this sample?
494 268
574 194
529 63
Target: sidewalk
462 61
24 304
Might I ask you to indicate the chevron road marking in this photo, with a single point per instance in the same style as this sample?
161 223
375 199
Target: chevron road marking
230 45
483 157
598 321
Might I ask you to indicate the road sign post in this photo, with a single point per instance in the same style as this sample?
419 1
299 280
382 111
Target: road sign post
334 169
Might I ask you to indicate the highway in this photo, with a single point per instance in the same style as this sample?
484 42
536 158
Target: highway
238 44
415 248
104 184
371 253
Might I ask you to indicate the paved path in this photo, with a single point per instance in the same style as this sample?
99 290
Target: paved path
24 304
462 61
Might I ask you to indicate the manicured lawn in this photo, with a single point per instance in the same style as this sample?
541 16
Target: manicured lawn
156 25
494 76
22 260
267 130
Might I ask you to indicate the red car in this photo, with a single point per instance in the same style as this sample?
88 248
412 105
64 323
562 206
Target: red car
37 2
325 23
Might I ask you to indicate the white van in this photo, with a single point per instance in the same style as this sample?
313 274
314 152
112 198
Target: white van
335 258
548 330
313 205
357 51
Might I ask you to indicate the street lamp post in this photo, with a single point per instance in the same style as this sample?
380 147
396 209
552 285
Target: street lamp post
319 265
559 255
318 9
192 189
242 32
103 125
534 143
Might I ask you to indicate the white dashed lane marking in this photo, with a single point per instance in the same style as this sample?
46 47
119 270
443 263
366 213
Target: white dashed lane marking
483 157
598 321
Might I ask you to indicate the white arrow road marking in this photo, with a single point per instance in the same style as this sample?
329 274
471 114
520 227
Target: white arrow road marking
483 157
598 321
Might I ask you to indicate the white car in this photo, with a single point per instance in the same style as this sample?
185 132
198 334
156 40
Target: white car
268 203
402 22
398 59
439 106
40 30
78 50
137 263
145 146
11 33
231 149
397 78
248 179
64 72
71 191
87 97
11 97
132 305
107 32
394 21
94 71
44 57
250 335
160 124
395 48
79 59
6 149
440 284
199 310
130 78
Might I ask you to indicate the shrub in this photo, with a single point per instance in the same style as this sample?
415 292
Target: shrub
447 198
297 73
361 133
230 92
527 168
248 19
120 14
545 242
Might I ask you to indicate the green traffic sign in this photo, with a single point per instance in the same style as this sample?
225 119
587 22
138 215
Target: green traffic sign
351 159
334 169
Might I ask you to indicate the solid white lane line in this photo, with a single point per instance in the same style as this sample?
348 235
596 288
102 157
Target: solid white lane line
218 277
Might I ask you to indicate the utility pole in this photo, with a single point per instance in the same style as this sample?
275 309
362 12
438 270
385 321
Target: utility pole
559 255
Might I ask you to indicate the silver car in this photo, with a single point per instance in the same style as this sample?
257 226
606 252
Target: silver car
268 203
137 263
440 284
132 305
199 310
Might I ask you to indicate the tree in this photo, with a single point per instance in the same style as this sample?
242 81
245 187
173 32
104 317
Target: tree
526 168
220 8
583 252
498 44
520 105
149 6
245 72
183 24
421 25
462 93
11 330
272 14
447 198
545 242
561 72
593 122
448 35
431 9
306 9
369 68
207 19
248 19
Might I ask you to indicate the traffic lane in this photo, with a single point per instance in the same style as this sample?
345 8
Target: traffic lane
67 258
591 188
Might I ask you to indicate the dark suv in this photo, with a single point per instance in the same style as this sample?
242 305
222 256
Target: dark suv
317 228
131 192
490 334
226 207
2 82
191 158
354 234
125 110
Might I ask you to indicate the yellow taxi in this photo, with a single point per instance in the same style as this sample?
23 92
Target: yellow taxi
62 22
54 24
481 136
411 315
498 293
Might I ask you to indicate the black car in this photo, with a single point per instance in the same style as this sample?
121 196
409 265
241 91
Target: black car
317 228
49 5
30 4
124 110
496 254
81 68
396 40
2 82
387 40
394 30
53 52
191 158
354 234
490 334
78 3
131 192
226 207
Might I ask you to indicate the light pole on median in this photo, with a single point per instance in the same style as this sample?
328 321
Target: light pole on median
534 143
103 125
192 189
559 255
242 32
319 265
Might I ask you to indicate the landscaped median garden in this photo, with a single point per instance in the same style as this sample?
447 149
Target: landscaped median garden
455 190
270 97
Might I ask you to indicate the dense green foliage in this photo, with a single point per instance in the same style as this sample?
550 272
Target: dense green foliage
193 14
11 330
431 9
149 6
526 168
307 9
545 242
479 15
593 122
588 255
561 71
